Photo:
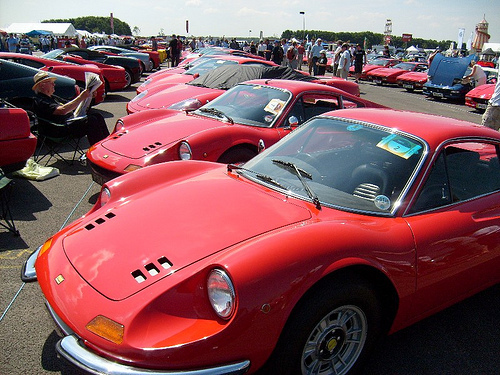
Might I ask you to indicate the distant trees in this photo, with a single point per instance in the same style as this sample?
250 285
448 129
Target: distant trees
359 37
97 24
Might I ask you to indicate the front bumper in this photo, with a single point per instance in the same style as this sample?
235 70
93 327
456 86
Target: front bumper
71 348
28 273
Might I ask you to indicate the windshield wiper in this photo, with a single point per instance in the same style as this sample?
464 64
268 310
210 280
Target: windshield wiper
218 113
260 176
300 173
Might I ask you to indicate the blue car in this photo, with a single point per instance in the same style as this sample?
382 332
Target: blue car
445 77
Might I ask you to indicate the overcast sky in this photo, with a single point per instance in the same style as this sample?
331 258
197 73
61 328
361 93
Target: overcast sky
428 19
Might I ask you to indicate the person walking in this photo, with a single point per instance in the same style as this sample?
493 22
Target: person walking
12 43
174 50
301 50
491 117
277 53
315 55
292 56
359 62
344 62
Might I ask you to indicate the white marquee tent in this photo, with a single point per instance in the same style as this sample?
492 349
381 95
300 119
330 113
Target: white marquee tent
58 29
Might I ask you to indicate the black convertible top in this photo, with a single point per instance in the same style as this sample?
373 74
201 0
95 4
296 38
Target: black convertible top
228 76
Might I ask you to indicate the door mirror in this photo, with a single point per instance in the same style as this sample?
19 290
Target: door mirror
261 146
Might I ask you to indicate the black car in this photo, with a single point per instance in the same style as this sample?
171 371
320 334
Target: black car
16 82
132 65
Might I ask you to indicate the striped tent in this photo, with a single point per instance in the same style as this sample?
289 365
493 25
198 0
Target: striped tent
481 35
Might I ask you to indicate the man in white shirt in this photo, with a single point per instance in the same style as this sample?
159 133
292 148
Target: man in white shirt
344 62
491 117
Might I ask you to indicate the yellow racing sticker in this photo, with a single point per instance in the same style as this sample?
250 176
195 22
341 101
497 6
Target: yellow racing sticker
274 106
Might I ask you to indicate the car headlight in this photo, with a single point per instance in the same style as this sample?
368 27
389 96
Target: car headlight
221 293
186 105
140 96
185 152
105 196
119 126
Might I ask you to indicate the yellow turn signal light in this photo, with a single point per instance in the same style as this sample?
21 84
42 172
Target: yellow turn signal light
132 167
106 328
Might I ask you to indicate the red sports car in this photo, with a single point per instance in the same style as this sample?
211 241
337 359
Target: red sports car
17 144
228 129
198 70
390 75
359 223
117 77
374 64
412 80
201 90
479 96
77 72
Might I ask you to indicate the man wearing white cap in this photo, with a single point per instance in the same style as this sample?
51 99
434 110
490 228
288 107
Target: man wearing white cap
50 109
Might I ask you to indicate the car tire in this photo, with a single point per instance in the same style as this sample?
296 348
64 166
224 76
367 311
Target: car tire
128 78
237 155
332 331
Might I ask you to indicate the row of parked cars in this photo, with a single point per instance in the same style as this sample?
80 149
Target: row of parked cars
443 80
296 261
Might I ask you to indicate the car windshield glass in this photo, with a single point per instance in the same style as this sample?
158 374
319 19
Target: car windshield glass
53 54
404 66
381 62
348 165
209 65
253 105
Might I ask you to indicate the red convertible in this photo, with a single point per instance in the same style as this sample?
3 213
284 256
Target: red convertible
390 75
77 72
17 144
374 64
229 129
361 222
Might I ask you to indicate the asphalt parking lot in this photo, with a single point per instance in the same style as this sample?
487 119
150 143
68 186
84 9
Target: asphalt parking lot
463 339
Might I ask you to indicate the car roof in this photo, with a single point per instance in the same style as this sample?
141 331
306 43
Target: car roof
295 86
432 128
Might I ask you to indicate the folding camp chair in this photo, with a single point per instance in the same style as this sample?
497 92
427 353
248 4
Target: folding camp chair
54 139
6 219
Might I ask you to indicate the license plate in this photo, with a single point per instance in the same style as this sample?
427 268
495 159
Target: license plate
406 86
481 105
437 94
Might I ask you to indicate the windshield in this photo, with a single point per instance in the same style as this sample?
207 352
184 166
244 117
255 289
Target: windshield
404 66
381 62
253 105
53 54
208 65
348 165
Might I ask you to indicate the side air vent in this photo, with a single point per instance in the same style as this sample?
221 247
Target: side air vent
151 269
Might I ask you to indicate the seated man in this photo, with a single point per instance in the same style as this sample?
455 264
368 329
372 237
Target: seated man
49 109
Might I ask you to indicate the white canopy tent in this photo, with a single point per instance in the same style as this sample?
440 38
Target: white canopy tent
58 29
412 49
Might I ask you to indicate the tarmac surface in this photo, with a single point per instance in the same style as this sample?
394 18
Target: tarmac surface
463 339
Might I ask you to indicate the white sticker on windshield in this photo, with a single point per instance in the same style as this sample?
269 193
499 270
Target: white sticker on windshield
382 202
274 106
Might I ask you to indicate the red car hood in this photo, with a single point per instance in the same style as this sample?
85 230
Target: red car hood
382 72
161 133
413 76
170 94
483 91
175 224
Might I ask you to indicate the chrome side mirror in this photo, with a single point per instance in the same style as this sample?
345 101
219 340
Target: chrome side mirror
261 146
293 121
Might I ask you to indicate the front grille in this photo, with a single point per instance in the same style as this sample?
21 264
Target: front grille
101 175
